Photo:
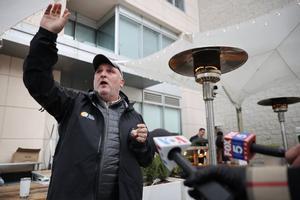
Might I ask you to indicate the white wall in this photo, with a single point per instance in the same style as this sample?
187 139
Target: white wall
21 124
261 119
193 111
258 119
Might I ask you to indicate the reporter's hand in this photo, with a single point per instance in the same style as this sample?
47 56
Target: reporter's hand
52 21
232 178
140 133
292 156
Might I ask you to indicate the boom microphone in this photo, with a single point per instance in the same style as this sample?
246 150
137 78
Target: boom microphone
170 148
242 146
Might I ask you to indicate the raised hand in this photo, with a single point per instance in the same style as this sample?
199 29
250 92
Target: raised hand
52 19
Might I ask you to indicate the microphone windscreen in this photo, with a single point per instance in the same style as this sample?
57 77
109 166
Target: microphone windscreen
238 145
165 144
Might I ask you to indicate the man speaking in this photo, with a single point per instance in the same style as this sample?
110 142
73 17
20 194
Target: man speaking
103 141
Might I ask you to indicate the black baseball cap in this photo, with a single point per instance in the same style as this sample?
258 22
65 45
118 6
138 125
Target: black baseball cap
102 59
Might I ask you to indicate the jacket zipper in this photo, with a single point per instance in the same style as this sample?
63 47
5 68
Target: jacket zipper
125 111
99 163
102 146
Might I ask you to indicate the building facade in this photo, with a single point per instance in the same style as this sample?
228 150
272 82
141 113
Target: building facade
127 30
122 30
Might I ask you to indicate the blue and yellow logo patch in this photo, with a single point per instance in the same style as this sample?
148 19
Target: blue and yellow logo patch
87 115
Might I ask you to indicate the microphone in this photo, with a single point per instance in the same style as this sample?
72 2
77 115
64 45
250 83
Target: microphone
169 149
164 145
242 146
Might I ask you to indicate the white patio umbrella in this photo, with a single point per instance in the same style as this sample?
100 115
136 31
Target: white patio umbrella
272 42
14 11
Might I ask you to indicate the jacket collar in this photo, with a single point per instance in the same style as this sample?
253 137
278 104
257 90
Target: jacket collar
93 95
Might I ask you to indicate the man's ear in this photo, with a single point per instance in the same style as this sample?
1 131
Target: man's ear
122 83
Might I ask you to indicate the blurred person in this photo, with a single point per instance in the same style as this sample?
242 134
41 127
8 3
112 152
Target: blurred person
254 183
103 141
221 158
198 139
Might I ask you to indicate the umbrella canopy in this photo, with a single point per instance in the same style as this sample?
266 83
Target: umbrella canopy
14 11
272 42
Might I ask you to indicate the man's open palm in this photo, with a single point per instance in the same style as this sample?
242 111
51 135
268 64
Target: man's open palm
52 21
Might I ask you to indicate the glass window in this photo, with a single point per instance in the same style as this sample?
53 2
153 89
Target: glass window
129 38
70 28
150 41
138 107
172 120
136 38
166 41
153 116
85 34
177 3
106 34
156 116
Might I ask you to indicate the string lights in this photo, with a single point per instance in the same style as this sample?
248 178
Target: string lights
252 21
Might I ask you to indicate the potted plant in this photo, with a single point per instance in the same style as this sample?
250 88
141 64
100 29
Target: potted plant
158 184
156 172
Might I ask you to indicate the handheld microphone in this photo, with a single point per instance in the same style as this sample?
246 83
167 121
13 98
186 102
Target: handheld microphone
164 146
242 146
170 148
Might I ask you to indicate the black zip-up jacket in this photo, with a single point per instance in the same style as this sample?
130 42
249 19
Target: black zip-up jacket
77 159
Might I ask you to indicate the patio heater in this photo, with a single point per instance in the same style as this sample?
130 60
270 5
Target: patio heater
280 105
207 64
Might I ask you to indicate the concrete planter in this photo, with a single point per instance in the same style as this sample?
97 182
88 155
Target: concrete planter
174 190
